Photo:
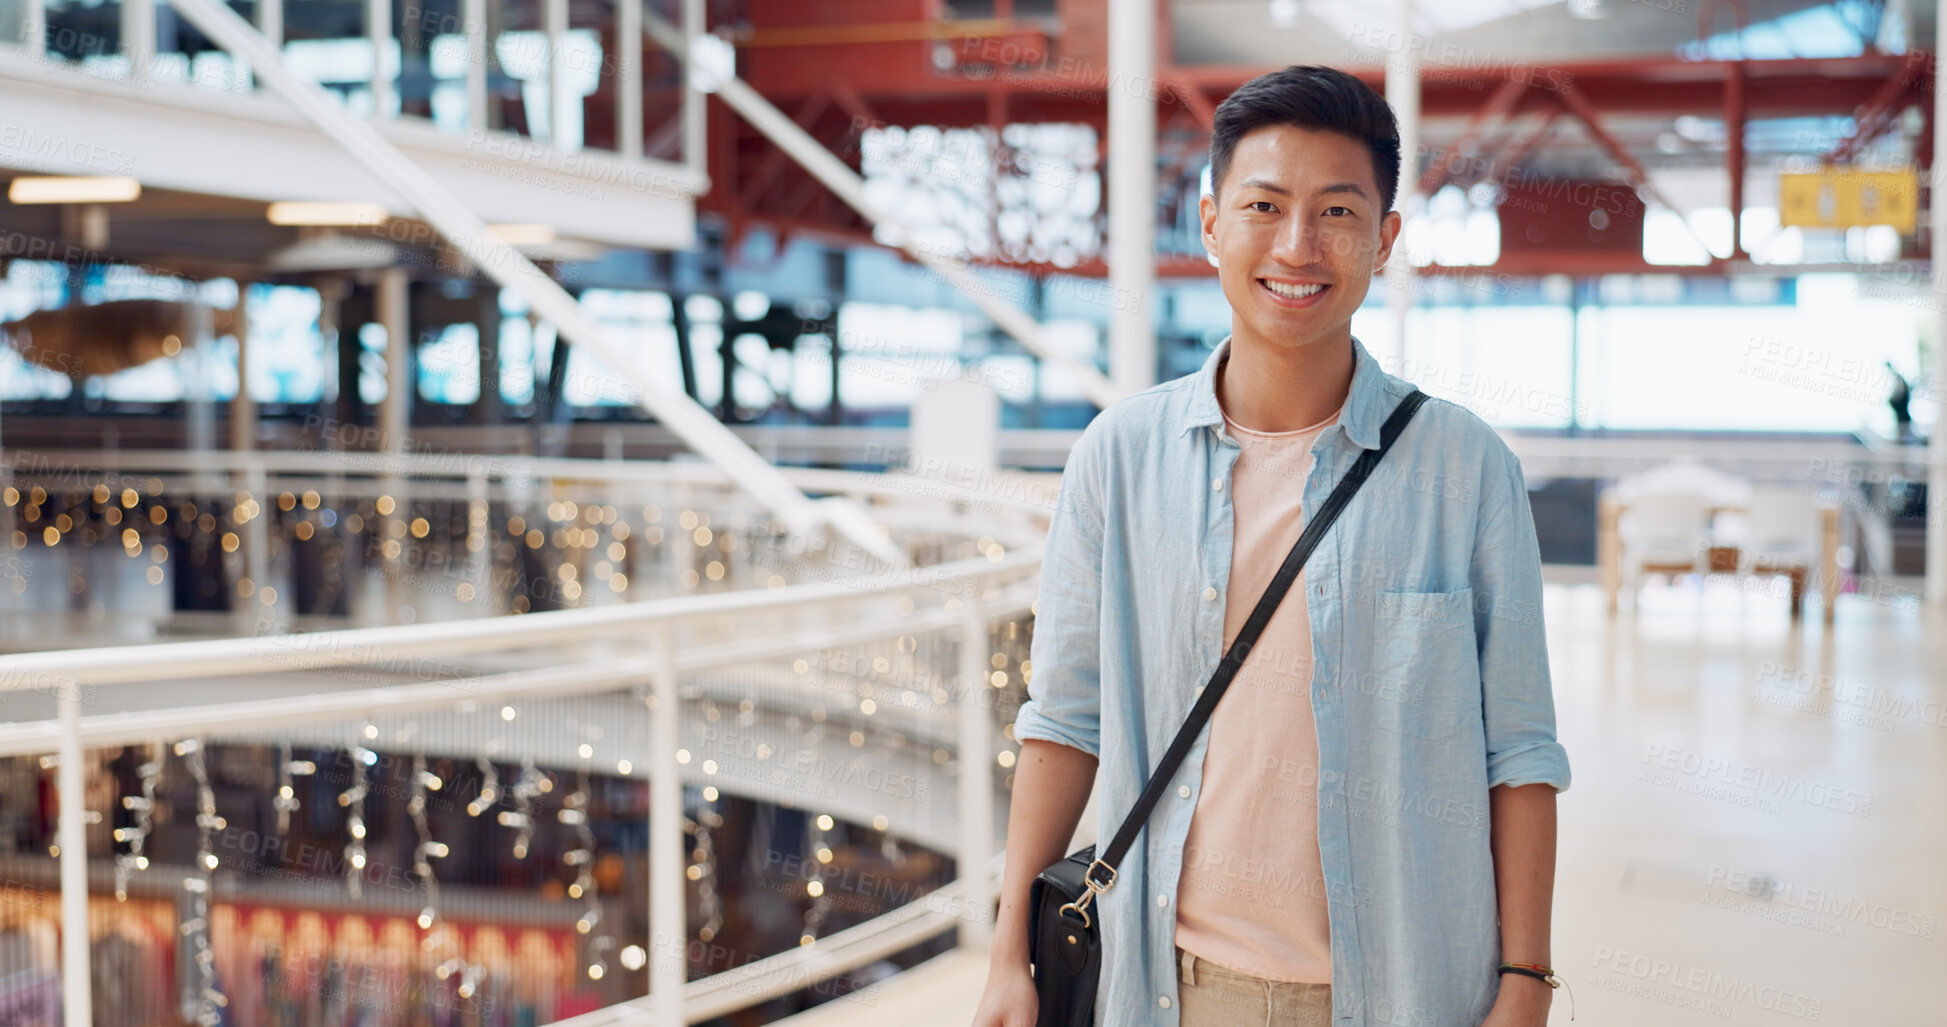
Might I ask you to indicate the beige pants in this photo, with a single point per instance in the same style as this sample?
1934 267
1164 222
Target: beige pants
1210 995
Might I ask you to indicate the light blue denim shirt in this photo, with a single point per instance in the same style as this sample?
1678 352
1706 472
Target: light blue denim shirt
1430 681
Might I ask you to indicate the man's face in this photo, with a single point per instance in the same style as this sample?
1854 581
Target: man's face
1297 231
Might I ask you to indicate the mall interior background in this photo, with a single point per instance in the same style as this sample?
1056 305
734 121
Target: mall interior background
455 448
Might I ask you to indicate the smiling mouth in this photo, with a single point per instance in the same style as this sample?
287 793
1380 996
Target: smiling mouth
1293 290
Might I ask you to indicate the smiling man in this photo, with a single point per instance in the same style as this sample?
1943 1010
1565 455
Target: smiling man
1364 834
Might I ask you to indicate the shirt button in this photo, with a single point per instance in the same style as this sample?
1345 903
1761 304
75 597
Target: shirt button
1209 593
1164 1001
1217 483
1162 900
1183 791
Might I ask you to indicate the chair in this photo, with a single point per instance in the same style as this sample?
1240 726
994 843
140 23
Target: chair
1780 536
1662 534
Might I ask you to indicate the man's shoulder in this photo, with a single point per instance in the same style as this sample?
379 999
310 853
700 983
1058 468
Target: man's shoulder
1449 430
1138 418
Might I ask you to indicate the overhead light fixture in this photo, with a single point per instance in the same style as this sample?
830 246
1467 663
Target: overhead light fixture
523 235
333 251
75 189
1284 13
317 212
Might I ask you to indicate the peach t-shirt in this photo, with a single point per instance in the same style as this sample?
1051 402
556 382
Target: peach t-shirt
1252 891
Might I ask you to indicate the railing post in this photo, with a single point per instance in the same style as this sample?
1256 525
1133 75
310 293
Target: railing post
33 27
554 18
138 37
243 406
76 997
668 924
628 78
473 20
479 540
695 126
392 417
976 773
378 34
255 536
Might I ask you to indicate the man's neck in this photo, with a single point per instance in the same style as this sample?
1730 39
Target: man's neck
1271 388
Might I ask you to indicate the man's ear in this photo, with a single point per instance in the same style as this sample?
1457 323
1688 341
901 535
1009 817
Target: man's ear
1207 213
1388 235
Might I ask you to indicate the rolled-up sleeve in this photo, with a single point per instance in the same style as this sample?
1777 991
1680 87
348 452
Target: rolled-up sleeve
1065 687
1517 700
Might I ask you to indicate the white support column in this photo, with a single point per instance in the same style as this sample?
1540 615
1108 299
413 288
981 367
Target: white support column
1132 194
554 16
628 77
1403 93
473 21
695 125
138 37
72 833
668 922
378 35
392 413
1936 580
977 842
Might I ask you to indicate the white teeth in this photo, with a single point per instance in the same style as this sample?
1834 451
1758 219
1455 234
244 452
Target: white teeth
1292 292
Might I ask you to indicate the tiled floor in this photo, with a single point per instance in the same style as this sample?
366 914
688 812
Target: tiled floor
1757 828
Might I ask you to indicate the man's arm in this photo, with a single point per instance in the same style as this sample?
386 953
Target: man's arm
1051 786
1526 766
1522 834
1059 727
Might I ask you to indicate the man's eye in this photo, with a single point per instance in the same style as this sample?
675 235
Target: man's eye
1341 211
1264 207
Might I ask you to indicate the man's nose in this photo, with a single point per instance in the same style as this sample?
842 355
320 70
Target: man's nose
1297 243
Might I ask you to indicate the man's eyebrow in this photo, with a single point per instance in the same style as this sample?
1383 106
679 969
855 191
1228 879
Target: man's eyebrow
1346 187
1269 186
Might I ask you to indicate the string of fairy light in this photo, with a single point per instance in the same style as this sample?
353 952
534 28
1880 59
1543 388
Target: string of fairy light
518 805
599 546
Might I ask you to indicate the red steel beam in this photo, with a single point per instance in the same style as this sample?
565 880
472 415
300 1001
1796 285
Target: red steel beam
1491 114
1879 112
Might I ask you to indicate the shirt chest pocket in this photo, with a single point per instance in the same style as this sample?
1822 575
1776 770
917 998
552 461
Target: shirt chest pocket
1420 676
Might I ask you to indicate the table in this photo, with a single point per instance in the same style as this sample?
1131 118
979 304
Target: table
1608 554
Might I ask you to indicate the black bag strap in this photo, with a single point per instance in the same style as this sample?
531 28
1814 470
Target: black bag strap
1240 647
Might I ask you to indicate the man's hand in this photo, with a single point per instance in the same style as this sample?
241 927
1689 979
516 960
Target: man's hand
1009 1000
1523 1002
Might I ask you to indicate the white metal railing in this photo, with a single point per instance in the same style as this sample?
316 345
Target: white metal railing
955 600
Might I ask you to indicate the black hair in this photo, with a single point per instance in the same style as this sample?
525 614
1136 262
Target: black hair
1314 97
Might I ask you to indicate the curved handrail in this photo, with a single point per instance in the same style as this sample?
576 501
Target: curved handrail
1000 584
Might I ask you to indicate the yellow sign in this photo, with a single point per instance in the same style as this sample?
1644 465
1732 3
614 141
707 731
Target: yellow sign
1846 198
